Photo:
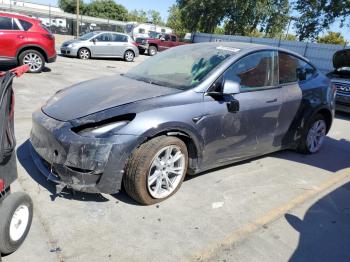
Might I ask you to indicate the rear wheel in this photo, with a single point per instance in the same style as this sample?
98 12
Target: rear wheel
16 217
129 56
313 136
84 53
33 59
156 170
152 50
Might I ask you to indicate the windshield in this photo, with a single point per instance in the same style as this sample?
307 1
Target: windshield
181 67
87 36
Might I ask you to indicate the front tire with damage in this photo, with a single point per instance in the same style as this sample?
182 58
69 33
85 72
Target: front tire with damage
156 170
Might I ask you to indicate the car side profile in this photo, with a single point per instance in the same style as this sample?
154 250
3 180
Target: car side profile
189 109
101 44
24 40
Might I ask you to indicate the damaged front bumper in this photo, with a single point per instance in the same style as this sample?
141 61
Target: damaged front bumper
93 165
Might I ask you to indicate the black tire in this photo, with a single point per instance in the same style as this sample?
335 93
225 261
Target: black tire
152 50
129 56
142 51
84 53
7 209
138 166
303 144
34 67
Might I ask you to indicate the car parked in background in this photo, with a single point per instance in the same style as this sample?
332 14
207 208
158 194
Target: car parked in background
184 111
24 40
101 44
163 42
340 77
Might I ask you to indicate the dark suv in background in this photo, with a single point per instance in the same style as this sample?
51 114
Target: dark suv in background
340 77
24 40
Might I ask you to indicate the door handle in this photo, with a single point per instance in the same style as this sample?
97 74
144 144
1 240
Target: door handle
272 101
20 36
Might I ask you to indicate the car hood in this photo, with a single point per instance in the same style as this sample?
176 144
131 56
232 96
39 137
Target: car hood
76 41
341 58
100 94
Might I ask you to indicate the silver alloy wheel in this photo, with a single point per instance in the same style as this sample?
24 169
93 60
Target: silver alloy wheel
129 56
84 54
19 223
152 51
316 135
166 171
33 60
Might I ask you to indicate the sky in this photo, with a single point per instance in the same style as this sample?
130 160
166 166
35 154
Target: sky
162 6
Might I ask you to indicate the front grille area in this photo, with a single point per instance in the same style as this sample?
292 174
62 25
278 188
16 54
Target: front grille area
342 88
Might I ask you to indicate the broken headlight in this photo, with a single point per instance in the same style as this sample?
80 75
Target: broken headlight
105 127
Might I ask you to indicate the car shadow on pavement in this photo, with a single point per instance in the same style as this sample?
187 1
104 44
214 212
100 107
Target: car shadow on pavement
325 229
342 115
25 159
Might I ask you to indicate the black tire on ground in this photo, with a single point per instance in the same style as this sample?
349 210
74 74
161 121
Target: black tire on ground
303 148
84 53
8 208
36 56
137 168
129 56
152 50
142 51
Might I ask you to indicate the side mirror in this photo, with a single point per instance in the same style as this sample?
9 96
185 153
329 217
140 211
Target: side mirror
94 40
230 88
162 39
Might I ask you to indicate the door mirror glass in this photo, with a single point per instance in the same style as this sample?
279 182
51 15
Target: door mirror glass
230 87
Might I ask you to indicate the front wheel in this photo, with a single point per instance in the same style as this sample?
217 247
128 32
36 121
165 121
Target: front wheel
156 170
15 220
313 135
152 50
84 53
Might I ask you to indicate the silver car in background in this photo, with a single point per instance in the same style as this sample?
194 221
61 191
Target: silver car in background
101 44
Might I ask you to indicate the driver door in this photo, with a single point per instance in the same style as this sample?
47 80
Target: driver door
102 45
250 129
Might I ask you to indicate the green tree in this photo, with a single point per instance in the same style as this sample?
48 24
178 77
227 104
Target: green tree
138 16
317 16
290 37
175 21
70 6
155 17
106 9
332 38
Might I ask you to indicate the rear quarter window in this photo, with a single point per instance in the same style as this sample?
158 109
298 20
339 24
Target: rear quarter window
26 25
293 69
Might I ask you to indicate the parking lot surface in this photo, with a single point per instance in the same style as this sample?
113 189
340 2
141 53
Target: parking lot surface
258 210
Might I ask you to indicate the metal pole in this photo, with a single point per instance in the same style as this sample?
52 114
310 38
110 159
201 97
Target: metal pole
78 18
290 20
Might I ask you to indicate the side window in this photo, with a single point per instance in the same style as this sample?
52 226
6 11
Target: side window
305 71
167 37
287 68
104 38
120 38
173 38
255 71
26 25
5 23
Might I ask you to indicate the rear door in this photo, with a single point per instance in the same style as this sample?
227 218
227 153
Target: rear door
12 36
103 45
120 43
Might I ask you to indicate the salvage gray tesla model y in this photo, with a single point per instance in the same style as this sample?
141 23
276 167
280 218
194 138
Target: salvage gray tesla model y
189 109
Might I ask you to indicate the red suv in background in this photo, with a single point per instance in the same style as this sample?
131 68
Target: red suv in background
24 40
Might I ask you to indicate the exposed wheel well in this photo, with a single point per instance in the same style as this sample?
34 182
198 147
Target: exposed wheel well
327 116
36 48
154 46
